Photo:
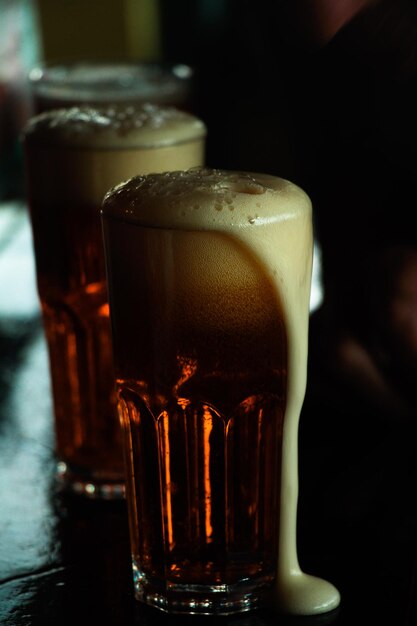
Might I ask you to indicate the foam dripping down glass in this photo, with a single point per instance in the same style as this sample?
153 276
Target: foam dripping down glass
209 283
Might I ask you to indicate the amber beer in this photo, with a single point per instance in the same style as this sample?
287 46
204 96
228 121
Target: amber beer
73 157
209 281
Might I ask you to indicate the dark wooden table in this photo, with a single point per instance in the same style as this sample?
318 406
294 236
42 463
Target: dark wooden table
66 561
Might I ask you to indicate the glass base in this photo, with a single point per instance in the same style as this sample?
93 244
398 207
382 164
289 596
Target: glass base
190 599
86 484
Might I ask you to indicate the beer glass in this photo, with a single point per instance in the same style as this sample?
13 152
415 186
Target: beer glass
209 281
63 85
73 157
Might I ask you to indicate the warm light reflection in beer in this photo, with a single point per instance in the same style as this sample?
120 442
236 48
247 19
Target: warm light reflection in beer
129 416
188 367
207 428
104 310
74 385
166 454
253 509
96 287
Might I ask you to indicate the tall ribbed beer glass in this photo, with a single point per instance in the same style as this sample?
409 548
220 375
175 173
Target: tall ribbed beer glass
73 157
209 283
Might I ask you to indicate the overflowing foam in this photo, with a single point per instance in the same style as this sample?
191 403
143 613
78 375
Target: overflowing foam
245 226
115 126
241 221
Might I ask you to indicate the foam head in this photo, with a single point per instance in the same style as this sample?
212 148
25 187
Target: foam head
114 127
225 226
205 198
75 155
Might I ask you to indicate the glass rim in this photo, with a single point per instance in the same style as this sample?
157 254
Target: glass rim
104 79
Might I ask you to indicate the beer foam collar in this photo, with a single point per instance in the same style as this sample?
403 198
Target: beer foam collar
205 198
114 127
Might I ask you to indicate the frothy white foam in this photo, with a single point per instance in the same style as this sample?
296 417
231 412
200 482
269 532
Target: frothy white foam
114 126
74 156
206 198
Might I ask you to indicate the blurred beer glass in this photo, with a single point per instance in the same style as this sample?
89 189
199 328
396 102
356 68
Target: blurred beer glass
209 282
73 156
96 83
